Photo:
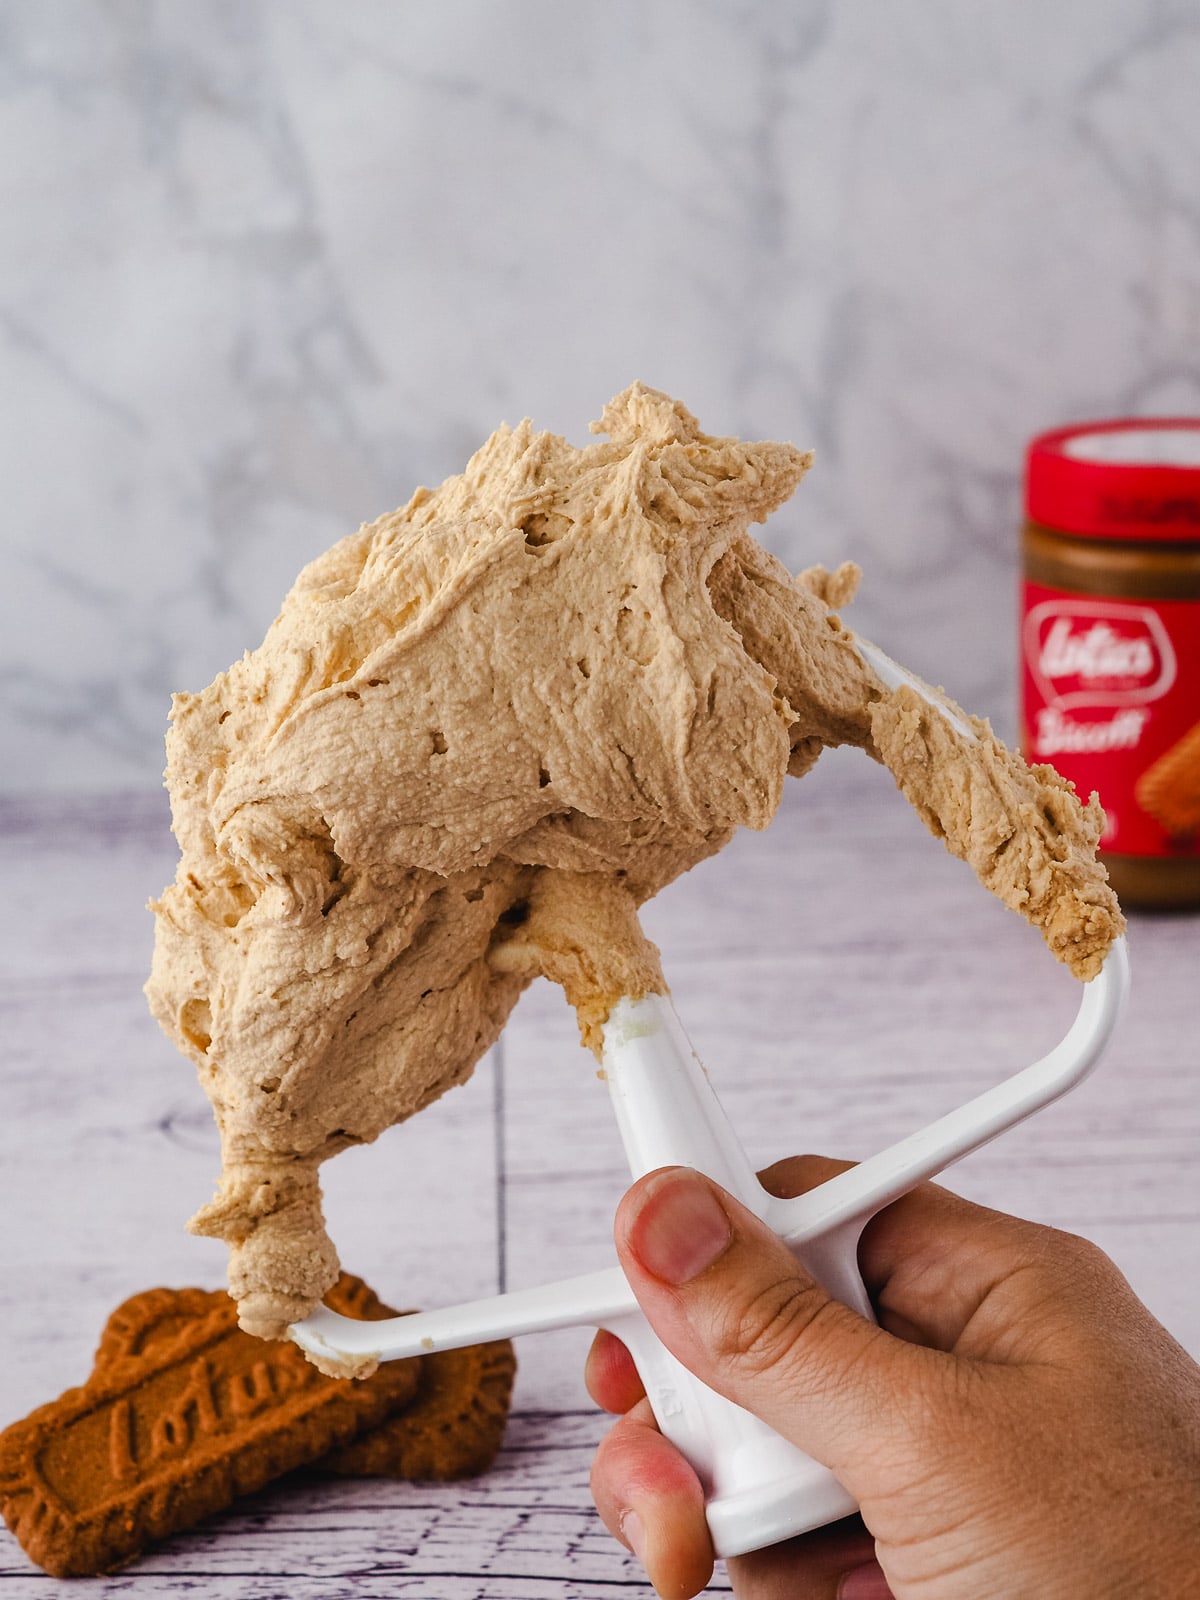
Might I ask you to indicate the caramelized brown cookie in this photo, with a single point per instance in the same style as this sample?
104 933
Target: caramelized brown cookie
153 1319
452 1429
453 1417
1170 789
182 1413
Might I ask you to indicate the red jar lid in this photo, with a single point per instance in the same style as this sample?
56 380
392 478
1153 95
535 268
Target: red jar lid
1136 478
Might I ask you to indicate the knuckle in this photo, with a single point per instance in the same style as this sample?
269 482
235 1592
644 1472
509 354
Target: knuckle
761 1335
1079 1249
1058 1281
1085 1259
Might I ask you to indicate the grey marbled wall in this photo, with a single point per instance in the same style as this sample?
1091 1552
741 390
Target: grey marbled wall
267 264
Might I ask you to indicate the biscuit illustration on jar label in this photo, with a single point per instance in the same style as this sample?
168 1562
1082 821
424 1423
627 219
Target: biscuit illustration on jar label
1170 789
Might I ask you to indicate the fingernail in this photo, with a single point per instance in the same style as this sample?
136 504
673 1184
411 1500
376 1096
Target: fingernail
681 1228
865 1583
634 1534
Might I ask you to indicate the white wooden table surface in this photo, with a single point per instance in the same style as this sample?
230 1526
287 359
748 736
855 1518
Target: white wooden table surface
843 979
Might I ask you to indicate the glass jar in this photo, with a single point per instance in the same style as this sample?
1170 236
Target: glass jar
1110 640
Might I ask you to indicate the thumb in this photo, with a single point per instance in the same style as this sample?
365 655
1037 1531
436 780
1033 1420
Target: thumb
728 1299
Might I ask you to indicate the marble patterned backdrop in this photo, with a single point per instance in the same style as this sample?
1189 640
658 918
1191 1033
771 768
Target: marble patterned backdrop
265 265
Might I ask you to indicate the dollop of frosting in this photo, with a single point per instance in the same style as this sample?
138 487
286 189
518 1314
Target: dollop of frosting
481 732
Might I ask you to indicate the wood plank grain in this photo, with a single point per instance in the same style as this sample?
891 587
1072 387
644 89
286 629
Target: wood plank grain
524 1528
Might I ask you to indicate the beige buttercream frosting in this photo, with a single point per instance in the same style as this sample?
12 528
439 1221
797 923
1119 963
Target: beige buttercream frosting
481 732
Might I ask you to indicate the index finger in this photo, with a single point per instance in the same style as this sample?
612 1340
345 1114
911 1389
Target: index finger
930 1259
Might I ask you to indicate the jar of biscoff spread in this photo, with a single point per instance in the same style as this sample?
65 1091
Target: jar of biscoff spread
1110 640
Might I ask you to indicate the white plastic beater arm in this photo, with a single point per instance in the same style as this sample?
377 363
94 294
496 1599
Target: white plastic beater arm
865 1189
590 1300
895 676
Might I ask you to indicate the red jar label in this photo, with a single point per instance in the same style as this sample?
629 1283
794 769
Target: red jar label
1111 698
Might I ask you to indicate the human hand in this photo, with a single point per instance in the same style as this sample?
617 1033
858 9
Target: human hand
1017 1426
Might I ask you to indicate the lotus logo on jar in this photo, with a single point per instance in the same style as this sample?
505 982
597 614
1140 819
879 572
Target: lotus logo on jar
1086 653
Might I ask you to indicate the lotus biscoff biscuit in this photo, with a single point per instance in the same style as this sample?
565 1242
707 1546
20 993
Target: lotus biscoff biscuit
183 1413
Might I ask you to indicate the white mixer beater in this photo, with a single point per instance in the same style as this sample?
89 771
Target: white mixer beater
759 1489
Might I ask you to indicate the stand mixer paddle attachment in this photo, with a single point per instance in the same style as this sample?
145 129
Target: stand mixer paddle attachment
759 1489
